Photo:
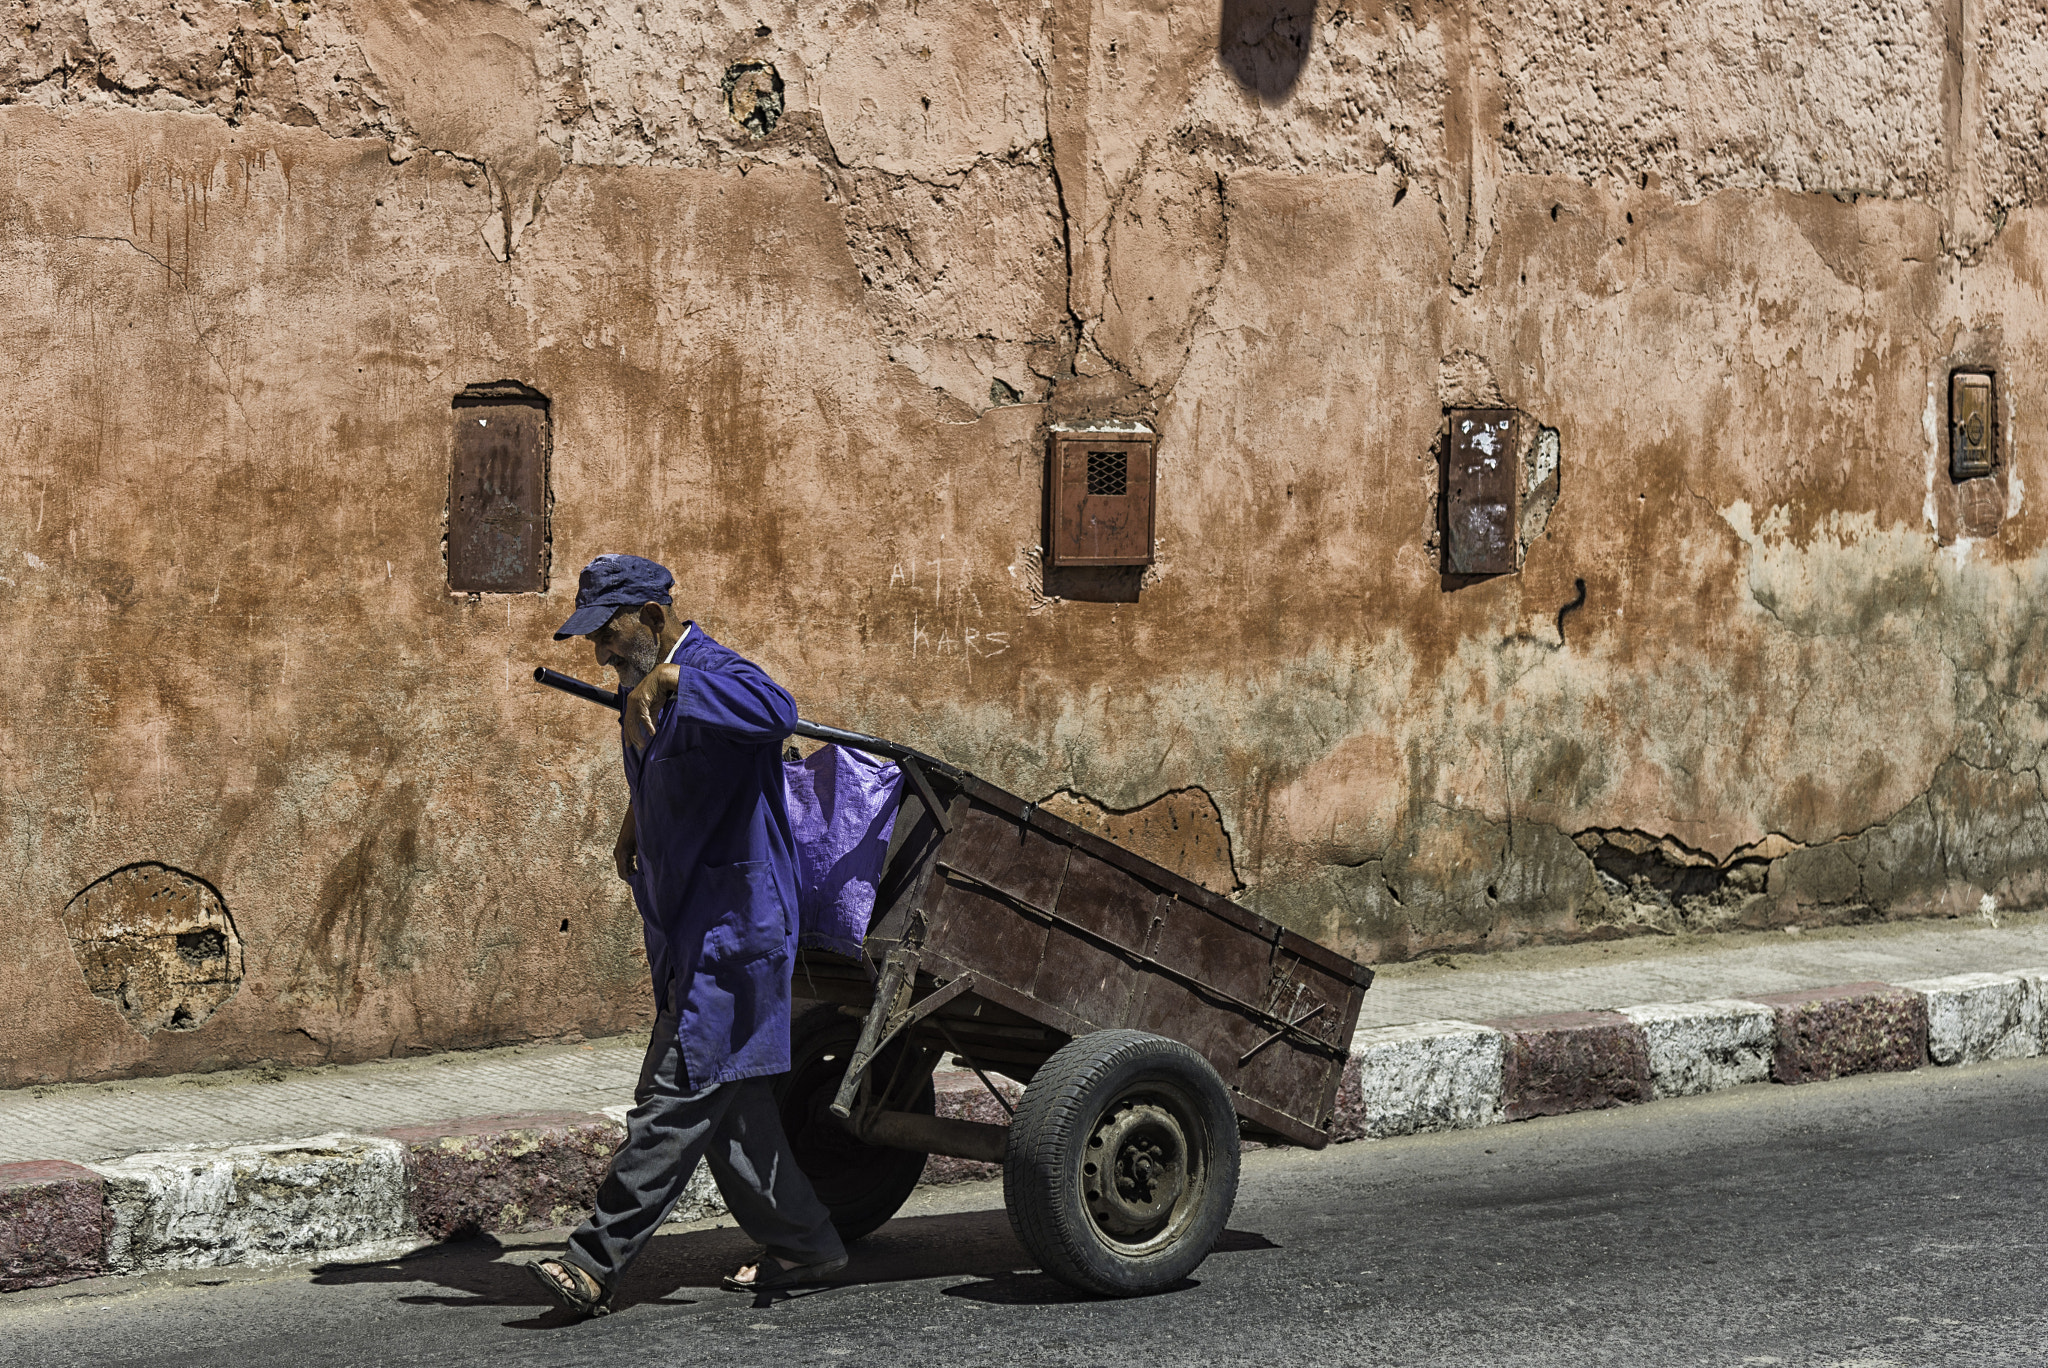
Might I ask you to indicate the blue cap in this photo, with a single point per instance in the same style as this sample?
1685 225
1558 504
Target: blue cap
610 583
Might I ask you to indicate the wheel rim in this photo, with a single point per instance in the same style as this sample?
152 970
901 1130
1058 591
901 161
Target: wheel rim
1142 1170
841 1168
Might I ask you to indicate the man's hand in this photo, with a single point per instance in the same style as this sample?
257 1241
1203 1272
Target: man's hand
644 705
626 850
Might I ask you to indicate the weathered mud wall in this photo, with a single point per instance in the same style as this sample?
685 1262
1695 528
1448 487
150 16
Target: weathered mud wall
807 284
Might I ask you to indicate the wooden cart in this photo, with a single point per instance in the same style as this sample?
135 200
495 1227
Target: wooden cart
1150 1020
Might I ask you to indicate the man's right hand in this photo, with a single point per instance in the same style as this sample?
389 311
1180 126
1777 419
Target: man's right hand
643 706
626 850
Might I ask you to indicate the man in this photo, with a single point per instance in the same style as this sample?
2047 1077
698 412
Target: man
707 849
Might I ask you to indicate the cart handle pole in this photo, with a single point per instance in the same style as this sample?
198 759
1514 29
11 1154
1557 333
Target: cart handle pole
874 745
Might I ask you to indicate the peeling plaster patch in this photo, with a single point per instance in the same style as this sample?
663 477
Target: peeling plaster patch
1829 95
158 943
1181 830
753 96
1466 380
1930 428
1542 480
1662 884
956 305
1543 459
1106 425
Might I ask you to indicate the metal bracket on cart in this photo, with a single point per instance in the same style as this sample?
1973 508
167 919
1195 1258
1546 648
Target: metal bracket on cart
862 1113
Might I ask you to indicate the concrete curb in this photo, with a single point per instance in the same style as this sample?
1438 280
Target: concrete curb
342 1196
505 1173
1426 1076
1702 1047
1856 1028
52 1224
1572 1061
332 1195
1974 1018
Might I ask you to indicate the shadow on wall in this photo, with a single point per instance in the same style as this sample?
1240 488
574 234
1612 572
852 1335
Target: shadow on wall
1263 44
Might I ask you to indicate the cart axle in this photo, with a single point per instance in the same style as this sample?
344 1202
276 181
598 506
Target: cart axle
934 1135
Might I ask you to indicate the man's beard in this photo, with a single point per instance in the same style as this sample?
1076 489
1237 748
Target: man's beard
642 655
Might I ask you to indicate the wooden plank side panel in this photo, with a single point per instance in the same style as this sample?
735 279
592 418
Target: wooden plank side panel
1218 1032
983 932
1081 943
1305 994
1088 843
1211 951
1089 981
1289 1077
1105 900
1027 865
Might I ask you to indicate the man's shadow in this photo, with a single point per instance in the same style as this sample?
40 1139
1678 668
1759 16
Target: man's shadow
683 1269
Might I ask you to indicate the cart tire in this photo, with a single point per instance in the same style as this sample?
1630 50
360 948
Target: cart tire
1123 1161
862 1185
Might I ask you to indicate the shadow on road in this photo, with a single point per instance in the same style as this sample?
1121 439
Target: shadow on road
977 1245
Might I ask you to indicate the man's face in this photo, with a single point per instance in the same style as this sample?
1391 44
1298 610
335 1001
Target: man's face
629 646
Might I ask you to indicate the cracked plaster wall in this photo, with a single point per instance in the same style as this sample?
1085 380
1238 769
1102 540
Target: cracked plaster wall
250 251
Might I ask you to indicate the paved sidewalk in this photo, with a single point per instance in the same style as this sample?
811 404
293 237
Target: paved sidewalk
91 1121
1580 978
96 1121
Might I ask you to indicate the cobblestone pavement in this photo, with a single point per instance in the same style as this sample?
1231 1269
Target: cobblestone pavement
102 1120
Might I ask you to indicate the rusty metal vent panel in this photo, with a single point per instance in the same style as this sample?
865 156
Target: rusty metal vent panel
498 501
1102 495
1972 425
1479 492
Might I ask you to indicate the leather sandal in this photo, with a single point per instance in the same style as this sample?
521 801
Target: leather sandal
581 1293
771 1276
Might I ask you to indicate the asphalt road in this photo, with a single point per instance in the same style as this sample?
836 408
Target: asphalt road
1893 1220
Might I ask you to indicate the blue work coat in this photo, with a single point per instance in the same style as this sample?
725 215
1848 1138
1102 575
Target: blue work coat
717 879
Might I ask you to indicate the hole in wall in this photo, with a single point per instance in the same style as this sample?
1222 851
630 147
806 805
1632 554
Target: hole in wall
197 947
1661 872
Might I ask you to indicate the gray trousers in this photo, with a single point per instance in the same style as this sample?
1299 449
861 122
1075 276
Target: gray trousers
735 1128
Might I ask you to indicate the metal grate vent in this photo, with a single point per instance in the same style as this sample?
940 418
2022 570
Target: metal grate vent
1108 472
1099 496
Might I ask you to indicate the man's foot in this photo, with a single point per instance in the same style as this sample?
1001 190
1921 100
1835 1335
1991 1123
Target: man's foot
571 1285
773 1274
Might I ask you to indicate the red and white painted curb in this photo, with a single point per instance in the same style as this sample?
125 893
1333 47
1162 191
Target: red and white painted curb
345 1196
